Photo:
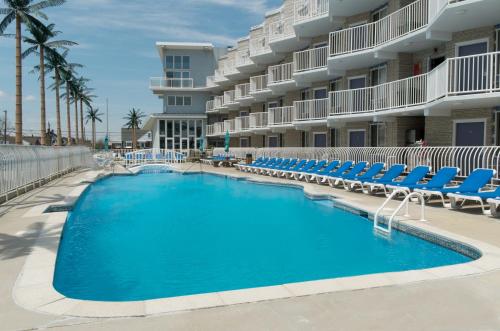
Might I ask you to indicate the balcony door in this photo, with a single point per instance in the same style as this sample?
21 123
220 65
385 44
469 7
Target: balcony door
358 95
319 139
469 132
473 70
357 138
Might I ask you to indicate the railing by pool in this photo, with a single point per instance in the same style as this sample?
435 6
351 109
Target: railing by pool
26 167
153 156
465 158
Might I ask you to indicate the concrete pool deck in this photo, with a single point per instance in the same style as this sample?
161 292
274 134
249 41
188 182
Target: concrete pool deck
432 300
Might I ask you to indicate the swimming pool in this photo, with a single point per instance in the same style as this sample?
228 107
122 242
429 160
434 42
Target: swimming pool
163 235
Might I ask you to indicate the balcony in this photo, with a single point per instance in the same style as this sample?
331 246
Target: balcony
244 63
215 130
312 17
242 125
281 117
242 95
216 105
164 84
229 101
220 78
258 122
281 78
259 89
260 50
282 36
458 83
311 65
211 82
311 112
229 126
231 72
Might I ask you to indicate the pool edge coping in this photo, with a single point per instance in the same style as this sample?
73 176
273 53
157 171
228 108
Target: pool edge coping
34 291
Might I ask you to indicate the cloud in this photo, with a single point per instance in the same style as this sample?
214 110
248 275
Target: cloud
3 94
30 98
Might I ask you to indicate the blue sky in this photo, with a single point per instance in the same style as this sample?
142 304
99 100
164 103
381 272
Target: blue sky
116 44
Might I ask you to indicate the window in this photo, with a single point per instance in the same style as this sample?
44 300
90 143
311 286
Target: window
273 141
335 85
178 100
162 127
378 75
334 137
319 139
244 142
380 13
177 62
497 31
305 95
182 134
177 69
377 135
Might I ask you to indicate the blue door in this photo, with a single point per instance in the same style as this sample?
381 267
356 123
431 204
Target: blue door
469 134
357 138
358 95
473 70
320 140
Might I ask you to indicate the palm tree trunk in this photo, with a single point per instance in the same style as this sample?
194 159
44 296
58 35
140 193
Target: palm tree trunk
19 86
68 115
82 127
93 133
58 112
77 139
134 139
43 130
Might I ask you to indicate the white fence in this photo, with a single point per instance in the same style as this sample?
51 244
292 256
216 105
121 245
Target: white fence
153 156
243 58
258 83
242 91
259 45
26 167
280 73
310 59
281 30
466 158
242 123
259 120
229 98
310 9
159 82
281 116
310 110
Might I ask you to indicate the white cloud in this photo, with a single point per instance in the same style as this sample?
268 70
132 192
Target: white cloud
30 98
3 94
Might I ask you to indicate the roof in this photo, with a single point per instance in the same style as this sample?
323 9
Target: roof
184 45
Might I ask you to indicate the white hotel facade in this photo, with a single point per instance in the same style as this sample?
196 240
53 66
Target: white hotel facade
327 73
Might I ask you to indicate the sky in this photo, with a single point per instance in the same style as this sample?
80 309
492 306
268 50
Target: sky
116 44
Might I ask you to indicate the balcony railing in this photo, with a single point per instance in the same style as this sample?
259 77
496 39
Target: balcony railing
230 68
259 120
258 83
211 81
159 82
219 75
280 116
229 125
216 129
283 29
310 110
310 59
243 58
396 25
209 107
280 73
229 98
473 74
259 46
310 9
242 123
242 91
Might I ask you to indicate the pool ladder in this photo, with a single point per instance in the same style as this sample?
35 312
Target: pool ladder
405 203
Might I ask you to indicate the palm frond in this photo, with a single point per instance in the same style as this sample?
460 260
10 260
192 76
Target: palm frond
45 4
11 16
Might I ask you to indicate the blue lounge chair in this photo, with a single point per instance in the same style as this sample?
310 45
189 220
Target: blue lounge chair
258 161
370 174
269 162
414 177
320 165
371 186
309 166
350 174
291 163
321 179
457 200
442 178
472 184
277 165
324 171
276 162
306 165
291 167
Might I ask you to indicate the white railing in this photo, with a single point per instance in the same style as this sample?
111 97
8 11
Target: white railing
230 67
396 25
282 29
258 83
209 107
219 75
280 73
216 129
229 97
243 58
159 82
310 110
401 93
242 91
26 167
281 116
310 59
465 158
310 9
229 125
238 152
211 81
259 46
259 120
153 156
456 76
242 123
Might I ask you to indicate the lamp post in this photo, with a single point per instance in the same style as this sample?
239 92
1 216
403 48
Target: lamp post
5 128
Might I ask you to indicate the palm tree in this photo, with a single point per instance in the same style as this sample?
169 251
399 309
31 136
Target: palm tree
41 44
85 98
80 89
67 75
134 121
93 115
23 12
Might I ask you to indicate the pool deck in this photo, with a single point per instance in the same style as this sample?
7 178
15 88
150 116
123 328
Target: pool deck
464 297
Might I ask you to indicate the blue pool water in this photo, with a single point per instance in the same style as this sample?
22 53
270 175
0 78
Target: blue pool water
162 235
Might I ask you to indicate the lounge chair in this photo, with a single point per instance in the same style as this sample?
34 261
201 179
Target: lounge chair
370 174
258 169
284 166
371 186
283 163
269 163
289 173
494 203
442 178
242 166
291 167
350 174
308 167
309 177
414 177
457 200
323 178
320 165
472 184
